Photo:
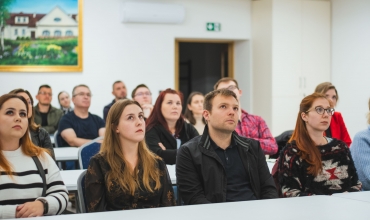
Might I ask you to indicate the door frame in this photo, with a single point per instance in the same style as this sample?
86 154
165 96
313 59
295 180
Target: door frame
185 40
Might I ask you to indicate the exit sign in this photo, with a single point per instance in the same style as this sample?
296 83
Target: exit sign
213 26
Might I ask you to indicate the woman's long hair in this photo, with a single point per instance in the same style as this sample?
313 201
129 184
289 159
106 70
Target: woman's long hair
156 117
188 113
28 148
32 125
112 151
308 149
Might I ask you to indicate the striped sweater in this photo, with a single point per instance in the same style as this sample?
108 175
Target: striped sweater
360 150
26 185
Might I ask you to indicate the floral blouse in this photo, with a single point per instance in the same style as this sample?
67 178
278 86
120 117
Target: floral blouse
99 199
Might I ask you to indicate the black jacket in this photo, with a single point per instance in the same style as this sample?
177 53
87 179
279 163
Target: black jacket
201 177
41 138
159 134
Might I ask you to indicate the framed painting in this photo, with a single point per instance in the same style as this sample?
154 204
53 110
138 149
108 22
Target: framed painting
41 35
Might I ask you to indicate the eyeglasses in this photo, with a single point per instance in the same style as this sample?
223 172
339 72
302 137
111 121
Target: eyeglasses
82 94
232 87
46 93
143 93
320 110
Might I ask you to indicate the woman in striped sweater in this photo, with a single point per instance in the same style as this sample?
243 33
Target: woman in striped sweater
360 150
21 184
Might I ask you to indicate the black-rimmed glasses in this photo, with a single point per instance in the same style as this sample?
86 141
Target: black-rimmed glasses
320 110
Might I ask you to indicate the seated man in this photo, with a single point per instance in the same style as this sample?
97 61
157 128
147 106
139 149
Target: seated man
250 126
119 92
45 114
220 165
79 126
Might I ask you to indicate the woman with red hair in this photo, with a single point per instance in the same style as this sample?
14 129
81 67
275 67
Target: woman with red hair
166 129
312 164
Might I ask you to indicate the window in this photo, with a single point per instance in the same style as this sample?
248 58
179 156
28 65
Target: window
69 33
18 20
57 19
15 32
23 32
46 33
57 33
24 19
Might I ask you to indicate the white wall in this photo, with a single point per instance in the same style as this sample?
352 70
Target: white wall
139 53
351 60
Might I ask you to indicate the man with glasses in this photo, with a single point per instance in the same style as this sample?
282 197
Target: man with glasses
119 92
79 126
45 114
250 126
143 96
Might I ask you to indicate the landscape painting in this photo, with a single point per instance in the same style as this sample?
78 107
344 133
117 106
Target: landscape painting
40 35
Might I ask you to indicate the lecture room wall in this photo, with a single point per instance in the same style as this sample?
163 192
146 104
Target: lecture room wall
135 53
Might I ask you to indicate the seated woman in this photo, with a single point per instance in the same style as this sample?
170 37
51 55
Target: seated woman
194 111
40 137
125 174
143 96
24 192
312 164
166 128
360 150
64 102
337 128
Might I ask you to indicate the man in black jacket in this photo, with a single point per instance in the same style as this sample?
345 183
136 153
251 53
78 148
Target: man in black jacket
220 165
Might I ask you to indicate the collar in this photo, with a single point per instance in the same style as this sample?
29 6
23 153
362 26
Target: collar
215 146
205 141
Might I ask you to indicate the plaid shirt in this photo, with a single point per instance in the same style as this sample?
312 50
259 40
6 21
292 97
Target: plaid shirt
253 126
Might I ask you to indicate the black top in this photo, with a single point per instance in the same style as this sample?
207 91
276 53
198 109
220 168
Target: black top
158 134
87 128
44 119
238 183
106 109
99 198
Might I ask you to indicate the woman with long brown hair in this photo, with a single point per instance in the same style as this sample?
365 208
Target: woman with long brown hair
166 127
125 174
39 136
30 184
312 164
194 111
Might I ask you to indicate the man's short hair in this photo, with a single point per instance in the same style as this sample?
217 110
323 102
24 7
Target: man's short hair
44 86
224 80
207 105
136 88
81 85
118 81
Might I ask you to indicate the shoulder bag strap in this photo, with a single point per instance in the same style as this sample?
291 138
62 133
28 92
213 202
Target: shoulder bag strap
42 174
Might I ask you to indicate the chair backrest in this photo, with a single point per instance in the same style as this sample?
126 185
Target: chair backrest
56 139
86 151
81 193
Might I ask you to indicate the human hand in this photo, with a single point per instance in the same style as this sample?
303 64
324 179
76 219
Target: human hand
161 146
30 209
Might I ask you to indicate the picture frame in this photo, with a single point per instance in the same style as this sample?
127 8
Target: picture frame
41 36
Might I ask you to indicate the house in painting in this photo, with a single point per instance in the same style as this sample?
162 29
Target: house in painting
55 24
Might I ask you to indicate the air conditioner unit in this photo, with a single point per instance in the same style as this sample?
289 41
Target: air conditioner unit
145 12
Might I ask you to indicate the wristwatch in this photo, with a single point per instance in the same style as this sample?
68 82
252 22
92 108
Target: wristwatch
46 205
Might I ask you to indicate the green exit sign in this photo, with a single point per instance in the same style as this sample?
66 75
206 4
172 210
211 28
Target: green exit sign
213 26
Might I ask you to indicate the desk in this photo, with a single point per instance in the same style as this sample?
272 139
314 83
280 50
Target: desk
303 208
360 196
70 178
66 153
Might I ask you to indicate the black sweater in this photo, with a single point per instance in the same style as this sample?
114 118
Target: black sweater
158 134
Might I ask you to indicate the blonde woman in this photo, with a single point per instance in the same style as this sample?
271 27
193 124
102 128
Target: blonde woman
125 174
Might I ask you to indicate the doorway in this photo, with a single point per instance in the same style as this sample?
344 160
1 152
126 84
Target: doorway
200 64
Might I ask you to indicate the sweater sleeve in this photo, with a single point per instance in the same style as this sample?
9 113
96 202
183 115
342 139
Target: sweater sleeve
290 177
356 185
56 193
360 151
7 211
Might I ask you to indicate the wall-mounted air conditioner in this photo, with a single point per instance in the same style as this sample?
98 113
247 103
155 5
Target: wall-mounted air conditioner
147 12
